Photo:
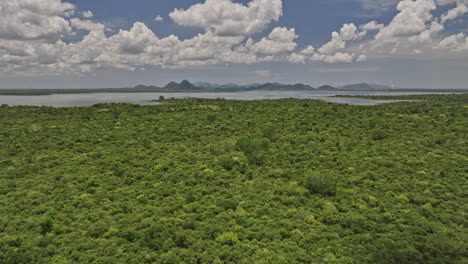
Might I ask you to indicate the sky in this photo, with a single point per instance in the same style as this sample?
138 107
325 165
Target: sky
121 43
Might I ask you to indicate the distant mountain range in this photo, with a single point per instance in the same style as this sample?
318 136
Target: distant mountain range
204 86
186 86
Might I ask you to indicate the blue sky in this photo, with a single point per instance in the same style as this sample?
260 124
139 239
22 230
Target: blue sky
314 20
117 43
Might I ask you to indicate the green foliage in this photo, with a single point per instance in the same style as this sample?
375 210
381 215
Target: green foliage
211 118
228 238
227 162
248 145
277 181
253 148
319 183
379 135
46 225
270 132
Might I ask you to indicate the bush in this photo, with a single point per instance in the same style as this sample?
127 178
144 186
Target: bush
227 162
253 148
321 184
228 238
440 140
34 128
270 133
257 158
46 225
246 145
211 118
378 135
251 145
228 204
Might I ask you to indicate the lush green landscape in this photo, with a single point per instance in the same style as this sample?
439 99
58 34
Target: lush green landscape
218 181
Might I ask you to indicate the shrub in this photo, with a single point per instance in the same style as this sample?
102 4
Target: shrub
46 225
378 135
228 204
321 184
211 118
246 144
257 158
270 133
278 173
128 234
253 148
250 145
34 128
228 238
227 162
440 140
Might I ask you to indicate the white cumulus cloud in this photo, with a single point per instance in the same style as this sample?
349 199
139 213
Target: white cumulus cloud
86 25
87 14
450 2
452 14
33 19
280 40
454 42
338 42
411 19
34 37
226 18
373 25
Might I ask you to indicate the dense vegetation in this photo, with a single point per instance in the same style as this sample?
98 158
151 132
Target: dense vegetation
450 97
217 181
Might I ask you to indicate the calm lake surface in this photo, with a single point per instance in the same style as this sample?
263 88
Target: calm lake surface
70 100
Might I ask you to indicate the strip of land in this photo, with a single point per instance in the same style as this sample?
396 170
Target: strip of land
187 87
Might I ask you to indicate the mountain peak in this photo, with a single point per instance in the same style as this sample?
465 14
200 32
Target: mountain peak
326 87
184 85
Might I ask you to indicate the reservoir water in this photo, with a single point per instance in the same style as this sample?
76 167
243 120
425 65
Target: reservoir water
89 99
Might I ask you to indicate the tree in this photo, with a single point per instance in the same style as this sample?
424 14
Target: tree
319 183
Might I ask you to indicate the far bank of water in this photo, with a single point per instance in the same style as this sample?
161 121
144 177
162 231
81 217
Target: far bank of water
89 99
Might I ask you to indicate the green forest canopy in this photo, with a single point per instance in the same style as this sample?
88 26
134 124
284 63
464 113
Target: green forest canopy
219 181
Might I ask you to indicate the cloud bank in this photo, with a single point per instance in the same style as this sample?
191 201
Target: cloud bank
34 37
